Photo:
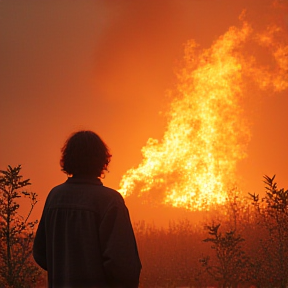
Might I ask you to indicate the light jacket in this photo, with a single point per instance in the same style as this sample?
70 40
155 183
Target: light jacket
85 237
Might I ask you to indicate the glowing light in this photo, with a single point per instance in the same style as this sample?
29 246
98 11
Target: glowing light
206 135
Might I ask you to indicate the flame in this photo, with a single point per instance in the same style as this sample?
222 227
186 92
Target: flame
207 134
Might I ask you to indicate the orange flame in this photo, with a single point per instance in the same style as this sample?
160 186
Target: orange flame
195 162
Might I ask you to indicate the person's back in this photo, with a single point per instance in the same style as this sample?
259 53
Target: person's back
85 237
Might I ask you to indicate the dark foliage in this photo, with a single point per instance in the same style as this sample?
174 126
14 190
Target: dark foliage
17 268
249 246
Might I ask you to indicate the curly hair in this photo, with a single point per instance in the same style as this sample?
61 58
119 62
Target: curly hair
84 153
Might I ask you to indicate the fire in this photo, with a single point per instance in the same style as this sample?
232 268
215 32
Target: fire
194 164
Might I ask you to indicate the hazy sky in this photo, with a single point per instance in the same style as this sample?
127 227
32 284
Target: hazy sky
106 66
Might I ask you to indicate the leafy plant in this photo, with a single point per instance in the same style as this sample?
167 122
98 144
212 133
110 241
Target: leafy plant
232 265
16 232
272 210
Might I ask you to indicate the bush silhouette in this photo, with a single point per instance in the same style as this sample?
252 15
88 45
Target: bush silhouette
17 268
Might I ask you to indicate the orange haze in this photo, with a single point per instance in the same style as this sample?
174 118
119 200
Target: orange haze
106 66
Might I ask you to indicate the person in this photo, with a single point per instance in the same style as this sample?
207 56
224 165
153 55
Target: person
85 237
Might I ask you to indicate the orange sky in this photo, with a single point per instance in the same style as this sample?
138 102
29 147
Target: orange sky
106 66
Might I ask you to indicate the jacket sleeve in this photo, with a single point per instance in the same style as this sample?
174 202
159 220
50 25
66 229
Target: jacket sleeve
39 246
118 246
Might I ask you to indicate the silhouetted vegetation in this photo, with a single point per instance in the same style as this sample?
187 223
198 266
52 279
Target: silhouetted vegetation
232 265
248 246
17 268
272 216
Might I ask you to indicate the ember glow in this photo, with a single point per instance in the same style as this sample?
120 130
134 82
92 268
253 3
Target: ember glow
194 165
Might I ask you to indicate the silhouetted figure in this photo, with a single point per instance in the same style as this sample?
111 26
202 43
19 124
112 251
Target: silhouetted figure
85 237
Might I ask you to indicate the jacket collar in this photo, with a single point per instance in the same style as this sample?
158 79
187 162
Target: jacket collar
84 180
